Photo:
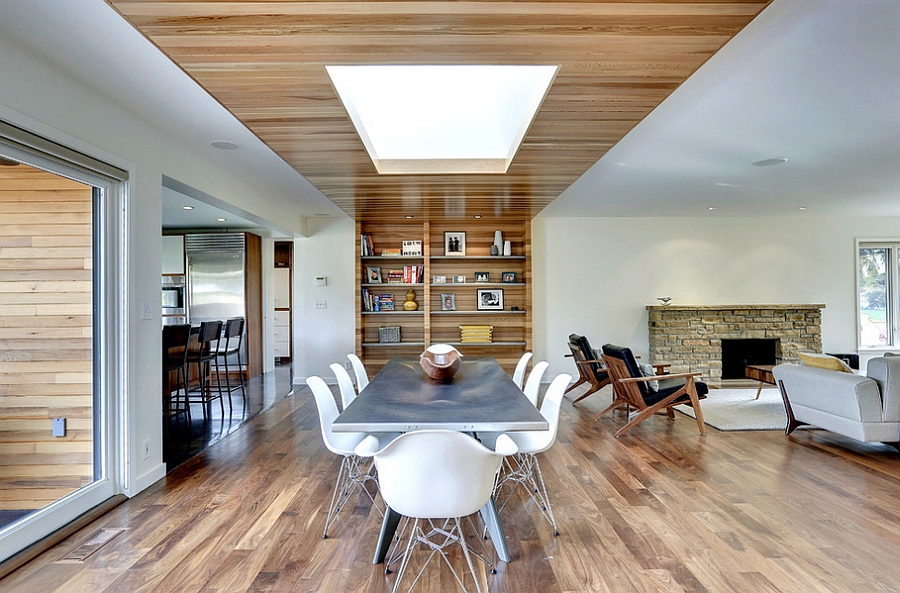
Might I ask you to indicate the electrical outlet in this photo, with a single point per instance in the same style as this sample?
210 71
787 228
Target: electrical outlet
147 449
347 365
146 311
321 304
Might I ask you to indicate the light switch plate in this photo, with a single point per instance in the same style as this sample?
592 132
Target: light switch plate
146 311
59 427
321 304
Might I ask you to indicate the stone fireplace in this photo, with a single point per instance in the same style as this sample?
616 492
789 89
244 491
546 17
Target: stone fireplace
689 337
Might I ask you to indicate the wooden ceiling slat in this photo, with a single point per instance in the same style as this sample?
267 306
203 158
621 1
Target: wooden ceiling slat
265 62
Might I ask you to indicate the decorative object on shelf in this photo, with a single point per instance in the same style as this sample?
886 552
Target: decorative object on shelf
498 242
448 302
389 334
490 299
507 248
373 275
476 333
439 280
508 277
459 280
440 361
410 303
411 248
455 243
494 250
482 276
664 300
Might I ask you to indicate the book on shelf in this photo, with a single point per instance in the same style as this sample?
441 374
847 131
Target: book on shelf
411 248
391 252
366 248
386 301
476 333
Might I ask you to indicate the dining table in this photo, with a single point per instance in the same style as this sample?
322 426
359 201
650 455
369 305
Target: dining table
480 397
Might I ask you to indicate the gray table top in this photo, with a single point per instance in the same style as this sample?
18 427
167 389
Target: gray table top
402 398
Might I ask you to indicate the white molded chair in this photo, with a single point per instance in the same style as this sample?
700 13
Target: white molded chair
519 374
432 475
345 384
355 471
359 369
533 384
523 467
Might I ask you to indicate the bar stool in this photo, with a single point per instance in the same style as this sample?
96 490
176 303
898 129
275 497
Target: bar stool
230 345
204 356
175 340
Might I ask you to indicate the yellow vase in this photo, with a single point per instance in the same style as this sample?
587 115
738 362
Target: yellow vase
410 303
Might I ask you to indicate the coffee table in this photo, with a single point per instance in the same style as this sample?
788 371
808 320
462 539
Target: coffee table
761 373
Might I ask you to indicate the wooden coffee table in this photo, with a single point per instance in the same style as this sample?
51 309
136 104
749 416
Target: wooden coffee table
761 373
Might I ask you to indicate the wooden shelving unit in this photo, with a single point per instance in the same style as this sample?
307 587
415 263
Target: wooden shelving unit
429 324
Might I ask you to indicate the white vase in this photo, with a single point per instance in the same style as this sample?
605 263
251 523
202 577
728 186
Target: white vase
507 248
498 241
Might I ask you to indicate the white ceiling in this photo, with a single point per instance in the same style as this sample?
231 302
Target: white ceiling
816 81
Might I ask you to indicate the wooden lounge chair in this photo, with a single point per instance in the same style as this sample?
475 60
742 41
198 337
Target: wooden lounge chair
590 369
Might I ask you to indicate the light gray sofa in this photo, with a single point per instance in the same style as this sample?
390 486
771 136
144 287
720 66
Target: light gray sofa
862 407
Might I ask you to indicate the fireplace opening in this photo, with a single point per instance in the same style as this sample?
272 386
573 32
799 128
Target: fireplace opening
737 354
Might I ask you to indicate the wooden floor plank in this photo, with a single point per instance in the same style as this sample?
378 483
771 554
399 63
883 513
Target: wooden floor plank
661 509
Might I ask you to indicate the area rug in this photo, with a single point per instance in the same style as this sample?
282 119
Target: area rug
736 409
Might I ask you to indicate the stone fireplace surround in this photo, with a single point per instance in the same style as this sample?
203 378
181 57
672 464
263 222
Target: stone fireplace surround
689 337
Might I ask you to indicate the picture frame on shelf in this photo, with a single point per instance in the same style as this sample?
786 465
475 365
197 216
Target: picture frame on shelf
490 299
459 280
455 243
439 280
508 277
411 248
482 277
448 302
373 275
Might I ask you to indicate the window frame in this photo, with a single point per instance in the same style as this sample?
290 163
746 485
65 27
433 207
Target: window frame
892 298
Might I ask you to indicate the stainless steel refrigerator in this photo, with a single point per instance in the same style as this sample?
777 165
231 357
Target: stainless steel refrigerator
215 276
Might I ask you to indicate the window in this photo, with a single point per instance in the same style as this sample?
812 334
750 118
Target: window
877 294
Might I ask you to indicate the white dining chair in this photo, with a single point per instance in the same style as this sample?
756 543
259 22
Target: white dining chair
355 471
436 477
533 384
523 467
519 374
359 369
345 384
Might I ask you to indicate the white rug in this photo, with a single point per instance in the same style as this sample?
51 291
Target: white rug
735 409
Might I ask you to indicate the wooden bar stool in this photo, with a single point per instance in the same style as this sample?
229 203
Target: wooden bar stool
204 356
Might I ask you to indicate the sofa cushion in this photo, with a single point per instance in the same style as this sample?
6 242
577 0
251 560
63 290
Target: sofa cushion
824 361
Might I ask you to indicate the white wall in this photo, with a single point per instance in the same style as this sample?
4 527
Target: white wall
595 276
324 336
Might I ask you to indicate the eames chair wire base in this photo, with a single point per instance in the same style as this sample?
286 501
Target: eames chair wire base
524 469
355 472
436 536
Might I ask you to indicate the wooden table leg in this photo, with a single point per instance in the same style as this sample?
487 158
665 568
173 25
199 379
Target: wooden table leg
758 390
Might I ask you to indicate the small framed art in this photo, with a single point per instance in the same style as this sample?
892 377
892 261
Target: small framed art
490 299
448 302
455 243
439 280
508 277
459 280
482 276
373 275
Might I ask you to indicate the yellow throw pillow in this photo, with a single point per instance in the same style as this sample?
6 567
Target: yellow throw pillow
824 361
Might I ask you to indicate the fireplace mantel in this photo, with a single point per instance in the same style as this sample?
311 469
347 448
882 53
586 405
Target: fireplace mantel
689 337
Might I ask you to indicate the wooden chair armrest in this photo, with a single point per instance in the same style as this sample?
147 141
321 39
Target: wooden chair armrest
657 377
661 367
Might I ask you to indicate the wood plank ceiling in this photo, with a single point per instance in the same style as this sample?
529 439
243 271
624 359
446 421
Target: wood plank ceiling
265 62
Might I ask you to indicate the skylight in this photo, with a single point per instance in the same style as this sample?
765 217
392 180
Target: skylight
441 119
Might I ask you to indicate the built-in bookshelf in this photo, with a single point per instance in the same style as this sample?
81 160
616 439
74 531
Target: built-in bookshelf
440 264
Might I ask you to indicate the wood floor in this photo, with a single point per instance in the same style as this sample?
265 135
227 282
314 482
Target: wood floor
660 509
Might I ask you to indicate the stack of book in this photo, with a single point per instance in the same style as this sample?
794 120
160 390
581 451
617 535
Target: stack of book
394 277
390 252
387 302
377 302
476 333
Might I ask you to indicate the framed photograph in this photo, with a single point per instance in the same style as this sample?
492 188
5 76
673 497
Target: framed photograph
482 276
448 302
373 275
455 243
490 299
459 280
508 277
439 280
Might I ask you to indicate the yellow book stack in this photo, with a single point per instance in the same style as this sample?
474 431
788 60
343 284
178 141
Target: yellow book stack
476 333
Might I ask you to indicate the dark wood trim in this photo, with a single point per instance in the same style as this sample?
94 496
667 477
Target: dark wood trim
253 296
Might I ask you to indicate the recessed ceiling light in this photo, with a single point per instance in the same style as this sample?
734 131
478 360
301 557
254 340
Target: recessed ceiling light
711 208
801 208
408 216
477 216
224 145
415 119
221 219
770 162
187 207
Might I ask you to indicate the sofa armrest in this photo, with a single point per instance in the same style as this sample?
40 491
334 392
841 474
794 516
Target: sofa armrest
846 395
886 372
